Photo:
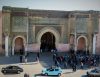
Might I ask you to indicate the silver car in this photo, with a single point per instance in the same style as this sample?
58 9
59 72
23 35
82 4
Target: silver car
94 73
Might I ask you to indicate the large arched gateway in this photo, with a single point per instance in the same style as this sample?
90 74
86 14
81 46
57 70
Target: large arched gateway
49 37
47 42
48 29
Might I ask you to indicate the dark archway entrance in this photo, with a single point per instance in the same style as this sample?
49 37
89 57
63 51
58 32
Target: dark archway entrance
47 42
19 46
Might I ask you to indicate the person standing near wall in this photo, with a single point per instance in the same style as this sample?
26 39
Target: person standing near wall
37 57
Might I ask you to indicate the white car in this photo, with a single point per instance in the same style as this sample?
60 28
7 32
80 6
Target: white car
94 73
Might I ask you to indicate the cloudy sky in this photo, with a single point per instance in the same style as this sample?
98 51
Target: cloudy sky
65 5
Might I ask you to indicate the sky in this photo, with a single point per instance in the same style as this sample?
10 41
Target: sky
65 5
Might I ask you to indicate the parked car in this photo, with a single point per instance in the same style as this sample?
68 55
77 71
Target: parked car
12 69
94 73
52 71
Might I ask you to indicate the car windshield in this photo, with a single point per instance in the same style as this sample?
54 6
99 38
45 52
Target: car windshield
95 71
98 69
9 67
56 69
15 67
50 69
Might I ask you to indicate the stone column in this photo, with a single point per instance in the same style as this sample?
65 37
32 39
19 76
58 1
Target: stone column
6 45
94 43
90 31
68 30
34 40
27 34
13 49
75 34
62 33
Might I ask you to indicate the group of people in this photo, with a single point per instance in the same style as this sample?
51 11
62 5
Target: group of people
69 60
62 60
59 60
76 60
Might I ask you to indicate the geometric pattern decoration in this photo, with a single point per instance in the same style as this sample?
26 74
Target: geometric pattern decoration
19 24
81 25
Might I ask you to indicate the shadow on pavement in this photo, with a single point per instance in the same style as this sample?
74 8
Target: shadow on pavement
40 75
28 63
84 76
10 74
46 59
9 59
67 72
16 59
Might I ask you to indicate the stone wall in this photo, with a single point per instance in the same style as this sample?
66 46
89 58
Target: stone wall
15 21
98 40
0 31
0 27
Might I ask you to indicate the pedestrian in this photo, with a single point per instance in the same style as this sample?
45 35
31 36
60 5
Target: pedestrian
57 64
38 55
74 67
25 59
26 75
54 57
20 58
94 62
55 61
81 65
65 64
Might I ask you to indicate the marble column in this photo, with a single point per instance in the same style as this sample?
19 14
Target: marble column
6 45
94 44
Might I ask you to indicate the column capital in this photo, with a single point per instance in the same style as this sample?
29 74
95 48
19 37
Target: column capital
6 34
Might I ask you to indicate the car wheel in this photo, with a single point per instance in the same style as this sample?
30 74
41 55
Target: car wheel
46 74
59 74
18 72
88 75
4 72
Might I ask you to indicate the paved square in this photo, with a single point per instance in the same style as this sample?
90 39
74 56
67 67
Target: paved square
34 68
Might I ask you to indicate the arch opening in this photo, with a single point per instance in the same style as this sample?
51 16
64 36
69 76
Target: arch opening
81 47
47 42
19 46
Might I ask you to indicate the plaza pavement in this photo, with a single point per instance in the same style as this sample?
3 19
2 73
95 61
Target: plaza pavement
34 68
